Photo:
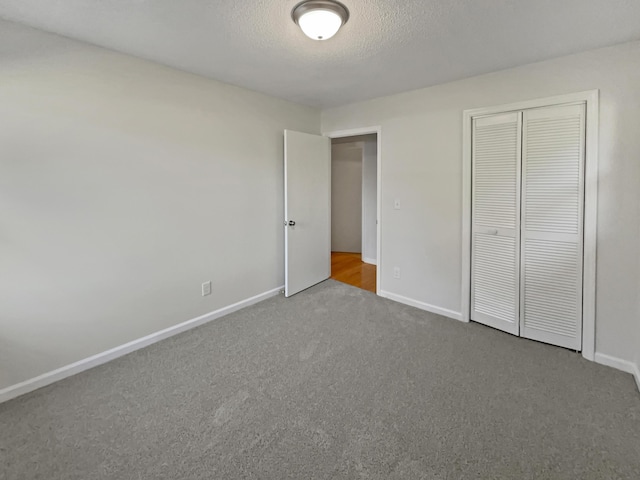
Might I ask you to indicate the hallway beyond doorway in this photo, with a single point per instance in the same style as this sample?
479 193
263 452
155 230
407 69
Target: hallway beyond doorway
349 268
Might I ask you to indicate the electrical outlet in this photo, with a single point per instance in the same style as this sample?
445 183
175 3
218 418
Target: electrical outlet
396 272
396 204
206 288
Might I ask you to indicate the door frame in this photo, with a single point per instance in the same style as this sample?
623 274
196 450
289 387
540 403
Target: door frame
591 99
354 132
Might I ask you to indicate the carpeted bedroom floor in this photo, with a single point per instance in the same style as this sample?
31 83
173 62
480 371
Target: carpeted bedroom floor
332 383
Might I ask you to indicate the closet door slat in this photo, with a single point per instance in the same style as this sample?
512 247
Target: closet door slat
552 225
495 244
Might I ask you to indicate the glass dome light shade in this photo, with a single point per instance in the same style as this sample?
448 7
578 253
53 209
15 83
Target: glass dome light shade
320 19
320 24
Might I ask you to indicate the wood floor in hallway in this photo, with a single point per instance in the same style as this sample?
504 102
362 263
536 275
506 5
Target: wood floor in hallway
349 268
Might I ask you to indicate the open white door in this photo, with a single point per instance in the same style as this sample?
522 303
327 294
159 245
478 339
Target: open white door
307 207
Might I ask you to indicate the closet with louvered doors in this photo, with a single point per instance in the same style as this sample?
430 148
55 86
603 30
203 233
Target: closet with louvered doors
527 223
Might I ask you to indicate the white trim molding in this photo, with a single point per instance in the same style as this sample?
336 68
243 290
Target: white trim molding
615 362
370 261
619 364
445 312
61 373
591 99
354 132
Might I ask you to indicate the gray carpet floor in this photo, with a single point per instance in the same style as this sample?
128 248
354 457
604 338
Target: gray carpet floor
332 383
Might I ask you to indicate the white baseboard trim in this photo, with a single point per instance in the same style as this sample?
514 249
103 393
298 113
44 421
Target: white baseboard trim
48 378
371 261
614 362
421 305
619 364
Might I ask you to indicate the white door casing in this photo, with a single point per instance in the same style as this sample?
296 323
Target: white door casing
307 210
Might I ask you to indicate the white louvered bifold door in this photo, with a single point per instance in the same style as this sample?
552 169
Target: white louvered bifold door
552 226
495 242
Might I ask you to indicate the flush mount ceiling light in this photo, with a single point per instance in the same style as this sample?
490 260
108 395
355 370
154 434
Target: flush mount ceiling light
320 19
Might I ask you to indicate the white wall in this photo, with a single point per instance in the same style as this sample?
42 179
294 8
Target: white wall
346 197
637 363
422 166
369 198
123 186
637 353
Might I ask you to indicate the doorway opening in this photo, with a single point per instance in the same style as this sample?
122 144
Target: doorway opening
354 210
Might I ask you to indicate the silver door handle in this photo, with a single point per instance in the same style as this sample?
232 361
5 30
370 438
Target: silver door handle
291 223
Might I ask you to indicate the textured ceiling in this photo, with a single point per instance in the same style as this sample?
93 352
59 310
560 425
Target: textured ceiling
388 46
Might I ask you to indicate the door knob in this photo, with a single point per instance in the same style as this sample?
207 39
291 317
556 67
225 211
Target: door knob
291 223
